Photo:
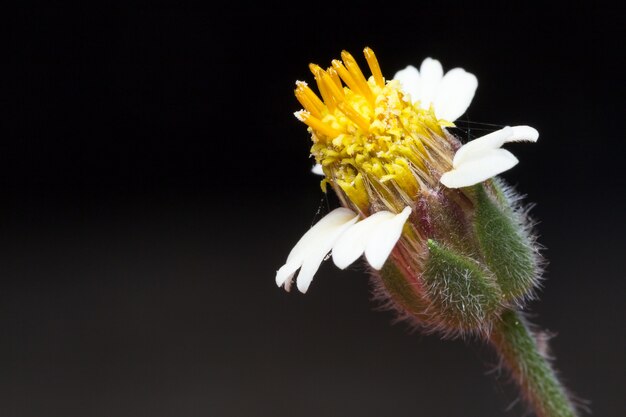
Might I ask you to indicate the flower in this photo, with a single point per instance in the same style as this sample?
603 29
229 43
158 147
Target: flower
449 245
384 147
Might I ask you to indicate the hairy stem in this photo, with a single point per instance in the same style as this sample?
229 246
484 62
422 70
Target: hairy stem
517 346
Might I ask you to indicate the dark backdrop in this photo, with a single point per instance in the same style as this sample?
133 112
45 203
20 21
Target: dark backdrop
153 179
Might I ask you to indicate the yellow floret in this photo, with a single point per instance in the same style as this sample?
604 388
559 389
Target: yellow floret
368 132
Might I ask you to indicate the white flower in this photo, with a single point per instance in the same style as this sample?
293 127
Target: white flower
339 231
482 158
450 94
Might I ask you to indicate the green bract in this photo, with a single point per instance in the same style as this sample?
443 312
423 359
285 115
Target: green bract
478 260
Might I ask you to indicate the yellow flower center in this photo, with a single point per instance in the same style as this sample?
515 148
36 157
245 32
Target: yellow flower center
373 143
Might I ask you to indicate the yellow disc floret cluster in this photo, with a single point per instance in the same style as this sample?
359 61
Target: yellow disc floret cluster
370 139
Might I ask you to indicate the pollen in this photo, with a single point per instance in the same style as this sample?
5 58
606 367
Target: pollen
374 144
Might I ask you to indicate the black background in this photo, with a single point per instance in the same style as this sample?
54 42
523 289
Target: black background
153 179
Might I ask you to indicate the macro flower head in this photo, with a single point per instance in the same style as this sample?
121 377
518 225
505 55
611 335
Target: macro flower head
415 199
449 245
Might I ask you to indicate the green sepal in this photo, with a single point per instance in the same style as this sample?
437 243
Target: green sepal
504 243
464 295
402 292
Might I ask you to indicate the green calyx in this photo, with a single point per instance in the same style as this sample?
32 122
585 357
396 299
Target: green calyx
503 241
465 295
478 259
402 292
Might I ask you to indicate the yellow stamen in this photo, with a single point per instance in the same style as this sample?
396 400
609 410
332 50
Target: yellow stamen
335 77
354 115
372 62
313 98
316 124
357 75
306 103
314 68
331 87
326 96
345 76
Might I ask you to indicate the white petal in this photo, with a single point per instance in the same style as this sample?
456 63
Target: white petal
523 134
317 169
325 227
454 94
478 147
321 243
286 272
431 74
311 249
382 241
315 240
491 163
351 245
309 268
409 81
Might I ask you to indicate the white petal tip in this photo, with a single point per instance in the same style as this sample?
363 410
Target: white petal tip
455 94
451 179
303 288
523 134
286 272
311 249
344 256
409 79
317 169
377 265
